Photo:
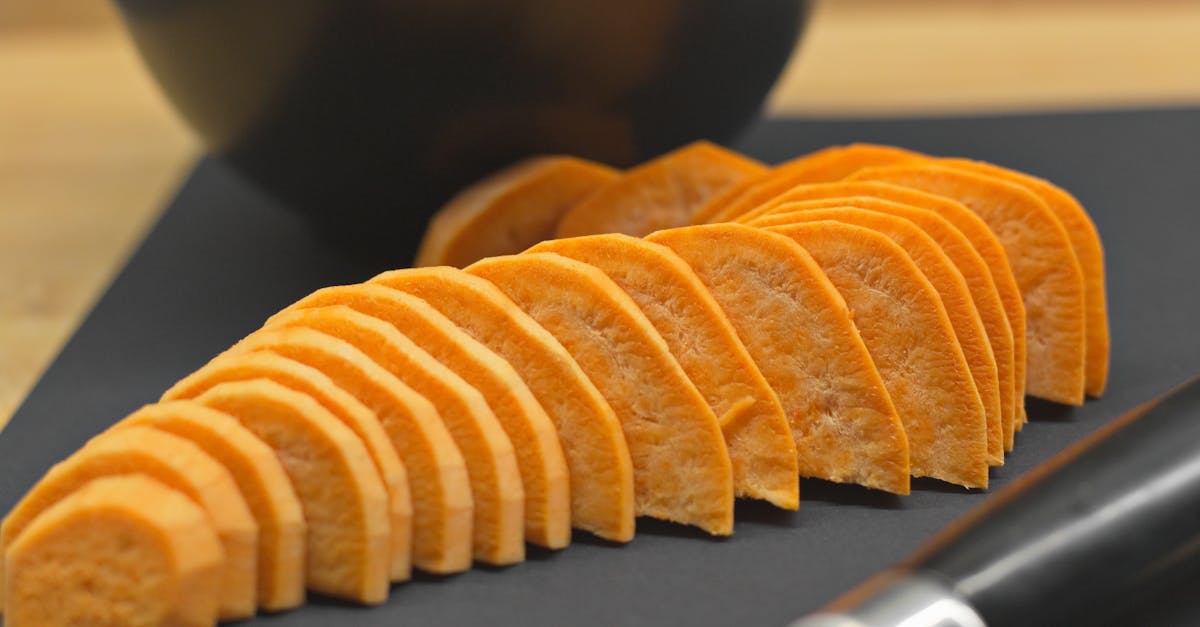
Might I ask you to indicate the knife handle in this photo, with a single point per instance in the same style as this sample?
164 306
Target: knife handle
1072 542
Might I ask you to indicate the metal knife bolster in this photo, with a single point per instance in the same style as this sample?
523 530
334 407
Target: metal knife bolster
898 597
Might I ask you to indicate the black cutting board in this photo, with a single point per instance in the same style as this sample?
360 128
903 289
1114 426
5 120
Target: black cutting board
224 256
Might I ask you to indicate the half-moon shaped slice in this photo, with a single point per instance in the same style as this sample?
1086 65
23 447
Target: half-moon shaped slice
499 499
681 467
660 193
911 340
950 286
970 225
701 337
969 263
510 210
1085 240
831 164
1043 262
260 479
361 420
535 442
600 471
439 489
799 331
343 498
178 464
122 550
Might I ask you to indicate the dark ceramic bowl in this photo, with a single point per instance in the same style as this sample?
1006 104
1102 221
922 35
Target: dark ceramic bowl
367 114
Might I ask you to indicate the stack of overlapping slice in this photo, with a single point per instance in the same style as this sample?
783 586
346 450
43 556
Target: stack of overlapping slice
863 315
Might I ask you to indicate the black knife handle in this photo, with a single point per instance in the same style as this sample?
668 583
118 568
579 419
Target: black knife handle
1077 541
1087 531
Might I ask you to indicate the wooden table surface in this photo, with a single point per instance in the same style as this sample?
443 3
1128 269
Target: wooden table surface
90 152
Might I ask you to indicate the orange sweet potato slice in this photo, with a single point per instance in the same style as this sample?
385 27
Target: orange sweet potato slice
1085 240
1043 263
535 442
178 464
343 498
122 550
798 331
497 525
510 210
361 420
262 482
951 287
440 492
681 467
970 225
911 340
965 258
830 164
600 471
715 205
660 193
705 343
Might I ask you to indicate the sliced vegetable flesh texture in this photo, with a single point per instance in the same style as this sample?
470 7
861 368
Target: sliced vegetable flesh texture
178 464
1043 263
970 264
660 193
706 345
682 471
799 332
260 479
955 295
600 470
911 340
1085 240
830 164
539 455
497 495
343 498
970 225
123 551
440 491
510 210
345 407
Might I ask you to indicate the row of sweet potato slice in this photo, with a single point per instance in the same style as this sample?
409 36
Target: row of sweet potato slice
1037 249
430 417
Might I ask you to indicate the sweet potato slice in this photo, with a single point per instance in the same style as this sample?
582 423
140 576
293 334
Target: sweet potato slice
600 471
965 258
660 193
497 525
178 464
510 210
681 468
1043 263
970 225
911 340
343 498
440 492
951 287
705 343
539 455
262 482
1085 240
799 332
361 420
122 550
831 164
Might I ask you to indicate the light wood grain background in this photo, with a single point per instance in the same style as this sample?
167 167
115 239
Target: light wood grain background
90 152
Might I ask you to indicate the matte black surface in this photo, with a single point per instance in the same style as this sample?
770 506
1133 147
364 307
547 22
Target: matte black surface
1121 512
225 256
